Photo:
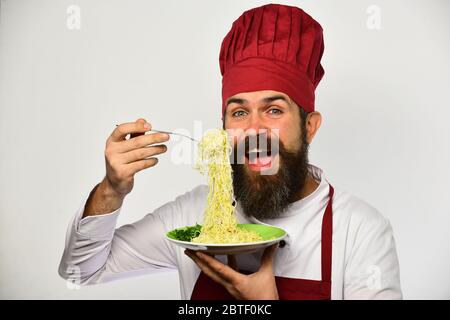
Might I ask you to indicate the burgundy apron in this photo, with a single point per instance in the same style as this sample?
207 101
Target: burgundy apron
288 288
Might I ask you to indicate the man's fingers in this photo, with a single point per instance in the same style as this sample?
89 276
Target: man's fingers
267 257
141 142
137 134
121 131
206 269
140 165
142 153
224 271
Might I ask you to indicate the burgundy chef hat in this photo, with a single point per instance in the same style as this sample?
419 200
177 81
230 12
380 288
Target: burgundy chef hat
273 47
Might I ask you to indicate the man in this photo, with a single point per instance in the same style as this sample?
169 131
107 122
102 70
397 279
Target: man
338 247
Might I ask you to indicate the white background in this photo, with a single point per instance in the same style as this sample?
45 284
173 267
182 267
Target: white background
384 100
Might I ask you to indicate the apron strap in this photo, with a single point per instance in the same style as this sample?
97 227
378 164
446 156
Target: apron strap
327 238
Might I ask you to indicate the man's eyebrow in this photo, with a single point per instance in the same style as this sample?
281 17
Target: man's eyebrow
236 100
273 98
265 100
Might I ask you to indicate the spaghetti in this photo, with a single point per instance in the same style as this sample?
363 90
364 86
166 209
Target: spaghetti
220 222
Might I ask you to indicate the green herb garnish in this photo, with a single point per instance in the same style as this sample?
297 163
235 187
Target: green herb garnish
187 233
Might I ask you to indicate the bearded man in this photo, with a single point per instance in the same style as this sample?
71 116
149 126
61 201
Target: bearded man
337 246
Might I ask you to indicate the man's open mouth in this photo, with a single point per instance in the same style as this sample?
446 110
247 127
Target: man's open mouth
258 159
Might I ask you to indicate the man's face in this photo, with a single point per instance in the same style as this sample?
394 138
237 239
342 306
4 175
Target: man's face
255 120
265 110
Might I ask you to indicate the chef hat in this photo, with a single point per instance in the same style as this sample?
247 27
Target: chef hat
273 47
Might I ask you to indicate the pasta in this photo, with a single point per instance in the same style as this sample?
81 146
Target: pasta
220 222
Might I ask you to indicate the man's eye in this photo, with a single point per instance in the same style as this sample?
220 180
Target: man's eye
275 111
239 113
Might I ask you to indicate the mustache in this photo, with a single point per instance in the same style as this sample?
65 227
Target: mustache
261 144
267 196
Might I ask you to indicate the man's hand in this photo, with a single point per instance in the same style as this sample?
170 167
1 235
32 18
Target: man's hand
256 286
124 158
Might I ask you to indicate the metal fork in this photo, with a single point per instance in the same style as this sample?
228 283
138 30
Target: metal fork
175 133
170 132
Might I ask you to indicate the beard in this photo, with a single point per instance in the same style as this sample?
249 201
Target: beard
268 196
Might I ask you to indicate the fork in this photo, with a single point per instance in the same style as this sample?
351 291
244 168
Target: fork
170 132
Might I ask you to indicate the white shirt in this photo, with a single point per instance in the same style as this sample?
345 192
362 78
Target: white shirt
364 261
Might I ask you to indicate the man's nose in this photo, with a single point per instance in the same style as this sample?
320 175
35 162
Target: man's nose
256 124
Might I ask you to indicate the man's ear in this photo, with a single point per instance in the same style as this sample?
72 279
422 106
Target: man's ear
313 122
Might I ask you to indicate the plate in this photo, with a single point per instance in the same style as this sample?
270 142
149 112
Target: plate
269 234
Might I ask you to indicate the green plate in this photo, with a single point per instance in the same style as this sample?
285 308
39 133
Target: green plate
269 234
